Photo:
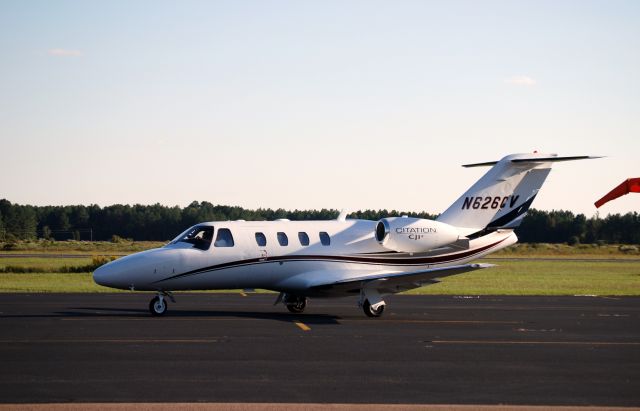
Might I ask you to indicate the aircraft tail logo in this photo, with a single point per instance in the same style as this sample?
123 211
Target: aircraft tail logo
501 198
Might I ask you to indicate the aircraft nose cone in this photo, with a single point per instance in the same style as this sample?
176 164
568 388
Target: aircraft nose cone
101 276
133 271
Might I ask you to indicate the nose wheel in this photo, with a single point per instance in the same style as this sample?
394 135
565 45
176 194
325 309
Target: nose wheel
158 304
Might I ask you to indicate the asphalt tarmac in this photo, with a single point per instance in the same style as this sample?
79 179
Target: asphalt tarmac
232 348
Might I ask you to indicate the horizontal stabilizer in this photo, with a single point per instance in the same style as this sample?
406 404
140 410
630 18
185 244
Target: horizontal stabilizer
486 164
533 160
554 159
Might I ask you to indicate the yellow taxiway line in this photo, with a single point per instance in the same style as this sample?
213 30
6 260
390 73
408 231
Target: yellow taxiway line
302 326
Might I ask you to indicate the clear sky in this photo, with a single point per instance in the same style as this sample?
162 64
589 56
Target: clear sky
311 104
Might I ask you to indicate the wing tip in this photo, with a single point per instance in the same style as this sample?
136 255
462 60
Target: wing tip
482 265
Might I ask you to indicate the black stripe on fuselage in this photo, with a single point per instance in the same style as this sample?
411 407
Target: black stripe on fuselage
338 258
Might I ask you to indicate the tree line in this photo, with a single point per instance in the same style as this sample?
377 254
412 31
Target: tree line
161 223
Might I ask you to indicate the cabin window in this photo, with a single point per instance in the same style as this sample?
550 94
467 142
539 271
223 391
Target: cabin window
304 238
261 239
200 236
324 238
224 238
283 239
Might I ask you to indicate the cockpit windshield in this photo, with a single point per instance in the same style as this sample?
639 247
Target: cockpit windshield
200 236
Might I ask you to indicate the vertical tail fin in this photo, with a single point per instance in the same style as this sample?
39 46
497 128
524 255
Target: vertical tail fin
501 198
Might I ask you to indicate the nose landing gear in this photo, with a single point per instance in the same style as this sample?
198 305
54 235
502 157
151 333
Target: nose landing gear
158 304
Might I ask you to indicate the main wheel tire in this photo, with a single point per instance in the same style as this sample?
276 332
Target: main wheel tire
157 306
370 312
298 306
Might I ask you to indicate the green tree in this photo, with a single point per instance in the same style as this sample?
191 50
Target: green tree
21 222
46 232
158 222
2 233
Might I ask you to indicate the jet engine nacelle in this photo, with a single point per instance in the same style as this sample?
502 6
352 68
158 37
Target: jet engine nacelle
414 235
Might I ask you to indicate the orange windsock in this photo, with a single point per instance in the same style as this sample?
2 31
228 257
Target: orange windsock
630 185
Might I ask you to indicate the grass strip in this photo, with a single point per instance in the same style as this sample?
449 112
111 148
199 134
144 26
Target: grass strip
507 278
64 283
543 278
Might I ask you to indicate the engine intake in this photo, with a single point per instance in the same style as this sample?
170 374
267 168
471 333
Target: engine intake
413 235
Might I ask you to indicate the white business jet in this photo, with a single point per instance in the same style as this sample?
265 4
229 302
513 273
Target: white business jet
342 257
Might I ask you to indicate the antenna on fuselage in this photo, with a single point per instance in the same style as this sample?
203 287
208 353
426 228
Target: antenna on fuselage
343 215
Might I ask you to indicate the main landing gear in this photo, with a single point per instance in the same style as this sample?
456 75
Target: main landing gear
371 302
158 304
371 311
294 303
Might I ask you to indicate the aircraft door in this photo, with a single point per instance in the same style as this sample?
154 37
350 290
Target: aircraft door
261 241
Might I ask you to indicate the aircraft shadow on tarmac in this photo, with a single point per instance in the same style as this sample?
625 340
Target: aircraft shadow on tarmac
101 312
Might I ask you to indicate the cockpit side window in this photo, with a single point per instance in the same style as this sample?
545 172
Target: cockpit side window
200 236
224 238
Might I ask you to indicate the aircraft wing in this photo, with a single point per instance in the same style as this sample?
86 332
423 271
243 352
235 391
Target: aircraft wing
394 282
